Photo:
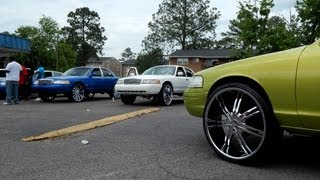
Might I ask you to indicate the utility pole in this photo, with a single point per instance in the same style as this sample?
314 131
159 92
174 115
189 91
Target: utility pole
57 54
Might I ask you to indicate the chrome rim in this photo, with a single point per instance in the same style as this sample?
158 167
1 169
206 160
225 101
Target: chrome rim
167 95
78 93
235 123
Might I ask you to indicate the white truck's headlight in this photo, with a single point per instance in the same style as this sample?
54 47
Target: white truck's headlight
120 81
150 81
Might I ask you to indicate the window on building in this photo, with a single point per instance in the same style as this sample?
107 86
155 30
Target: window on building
195 60
182 61
211 62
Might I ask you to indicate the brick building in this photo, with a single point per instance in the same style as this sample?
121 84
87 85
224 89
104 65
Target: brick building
198 60
109 62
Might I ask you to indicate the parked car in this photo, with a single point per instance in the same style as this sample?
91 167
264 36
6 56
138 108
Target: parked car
77 84
158 82
132 71
2 83
247 104
33 79
48 73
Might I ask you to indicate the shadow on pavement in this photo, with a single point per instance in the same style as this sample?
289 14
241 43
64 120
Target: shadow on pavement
299 151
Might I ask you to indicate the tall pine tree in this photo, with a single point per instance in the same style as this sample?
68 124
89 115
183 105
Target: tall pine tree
182 24
85 34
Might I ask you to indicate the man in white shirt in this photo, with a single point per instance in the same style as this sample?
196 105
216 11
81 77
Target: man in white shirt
12 82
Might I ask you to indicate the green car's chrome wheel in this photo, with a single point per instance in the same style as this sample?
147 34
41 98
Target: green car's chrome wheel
77 93
166 95
238 123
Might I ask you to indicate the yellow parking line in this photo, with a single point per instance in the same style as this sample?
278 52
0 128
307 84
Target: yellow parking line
90 125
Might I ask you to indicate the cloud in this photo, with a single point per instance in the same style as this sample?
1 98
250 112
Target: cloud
125 21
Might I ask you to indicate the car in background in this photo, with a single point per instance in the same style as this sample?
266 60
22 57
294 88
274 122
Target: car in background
34 76
247 104
158 82
77 84
2 83
31 78
47 73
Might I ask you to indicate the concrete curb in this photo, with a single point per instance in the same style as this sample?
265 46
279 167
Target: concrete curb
90 125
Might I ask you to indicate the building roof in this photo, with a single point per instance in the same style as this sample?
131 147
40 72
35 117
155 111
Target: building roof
10 44
101 59
203 53
129 62
107 58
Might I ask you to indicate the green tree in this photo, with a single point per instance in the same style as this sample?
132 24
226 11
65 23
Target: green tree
278 36
85 33
308 13
146 60
127 54
254 31
65 56
183 24
244 31
45 42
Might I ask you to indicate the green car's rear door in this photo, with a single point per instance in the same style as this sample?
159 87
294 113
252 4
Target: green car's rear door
308 86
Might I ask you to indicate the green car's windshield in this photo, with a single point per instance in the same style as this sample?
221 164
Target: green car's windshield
79 71
160 70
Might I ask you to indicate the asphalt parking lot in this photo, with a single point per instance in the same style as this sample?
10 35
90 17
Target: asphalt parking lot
164 144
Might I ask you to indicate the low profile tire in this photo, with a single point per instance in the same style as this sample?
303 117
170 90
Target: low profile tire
239 124
47 97
114 94
77 93
165 96
89 96
128 99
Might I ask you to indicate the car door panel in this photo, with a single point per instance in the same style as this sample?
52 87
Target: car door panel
96 81
181 81
109 80
308 87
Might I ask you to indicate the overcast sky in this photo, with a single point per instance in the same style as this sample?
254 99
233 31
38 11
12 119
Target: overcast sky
125 21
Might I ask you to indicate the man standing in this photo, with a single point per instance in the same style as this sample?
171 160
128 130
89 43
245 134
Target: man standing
12 82
23 91
39 75
39 72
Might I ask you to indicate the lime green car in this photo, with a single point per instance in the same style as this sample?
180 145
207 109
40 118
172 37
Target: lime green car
246 104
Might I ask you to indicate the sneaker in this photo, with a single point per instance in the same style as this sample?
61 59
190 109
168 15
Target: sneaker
37 99
6 103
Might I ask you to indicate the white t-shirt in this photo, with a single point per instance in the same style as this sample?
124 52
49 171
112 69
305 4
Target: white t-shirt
14 69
